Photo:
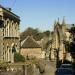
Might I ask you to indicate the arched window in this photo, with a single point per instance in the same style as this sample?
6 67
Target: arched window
13 49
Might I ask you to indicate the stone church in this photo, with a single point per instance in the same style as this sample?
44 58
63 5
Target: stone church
9 34
58 36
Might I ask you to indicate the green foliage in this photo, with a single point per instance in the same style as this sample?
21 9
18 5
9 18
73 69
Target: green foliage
47 33
18 57
71 45
37 35
29 32
67 46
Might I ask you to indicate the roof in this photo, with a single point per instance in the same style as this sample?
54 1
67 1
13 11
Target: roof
11 13
29 42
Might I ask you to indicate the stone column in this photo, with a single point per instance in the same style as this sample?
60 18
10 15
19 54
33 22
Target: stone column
8 55
8 29
5 55
12 56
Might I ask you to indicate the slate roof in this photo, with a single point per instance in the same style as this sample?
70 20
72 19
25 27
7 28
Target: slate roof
29 42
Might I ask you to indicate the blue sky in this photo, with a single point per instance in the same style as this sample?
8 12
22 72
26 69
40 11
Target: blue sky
41 13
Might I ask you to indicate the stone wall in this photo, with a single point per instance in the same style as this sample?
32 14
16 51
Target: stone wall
32 52
1 44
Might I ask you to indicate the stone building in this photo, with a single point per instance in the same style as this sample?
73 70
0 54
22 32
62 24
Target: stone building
30 48
9 34
59 35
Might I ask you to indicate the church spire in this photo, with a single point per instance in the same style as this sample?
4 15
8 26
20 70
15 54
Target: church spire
63 22
58 21
55 23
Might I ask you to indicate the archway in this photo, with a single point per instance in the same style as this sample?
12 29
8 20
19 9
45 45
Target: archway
13 50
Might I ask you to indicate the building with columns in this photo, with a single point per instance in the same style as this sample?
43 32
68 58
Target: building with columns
9 34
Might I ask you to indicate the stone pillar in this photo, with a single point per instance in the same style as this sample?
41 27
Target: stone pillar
5 55
1 39
12 56
14 33
8 29
56 43
17 30
12 28
8 55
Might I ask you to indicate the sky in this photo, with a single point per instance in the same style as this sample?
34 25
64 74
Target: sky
41 14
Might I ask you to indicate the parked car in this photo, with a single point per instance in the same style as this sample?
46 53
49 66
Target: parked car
63 71
69 66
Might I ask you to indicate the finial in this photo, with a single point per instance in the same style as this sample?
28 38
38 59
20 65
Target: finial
58 19
55 23
63 22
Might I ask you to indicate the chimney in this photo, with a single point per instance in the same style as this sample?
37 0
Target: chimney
9 9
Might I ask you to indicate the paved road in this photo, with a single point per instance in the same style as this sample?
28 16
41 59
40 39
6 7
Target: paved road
11 73
7 73
49 70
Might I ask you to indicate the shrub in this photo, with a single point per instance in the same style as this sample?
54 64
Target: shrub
18 57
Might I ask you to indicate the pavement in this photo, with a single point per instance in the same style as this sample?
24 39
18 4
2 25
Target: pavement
49 69
8 73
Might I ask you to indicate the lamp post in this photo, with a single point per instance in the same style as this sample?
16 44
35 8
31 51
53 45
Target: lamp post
57 57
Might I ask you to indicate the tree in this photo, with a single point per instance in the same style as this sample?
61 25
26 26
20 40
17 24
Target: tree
72 48
31 32
37 35
46 33
72 44
18 57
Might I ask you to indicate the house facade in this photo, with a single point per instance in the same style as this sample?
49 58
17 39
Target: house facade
9 34
30 48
